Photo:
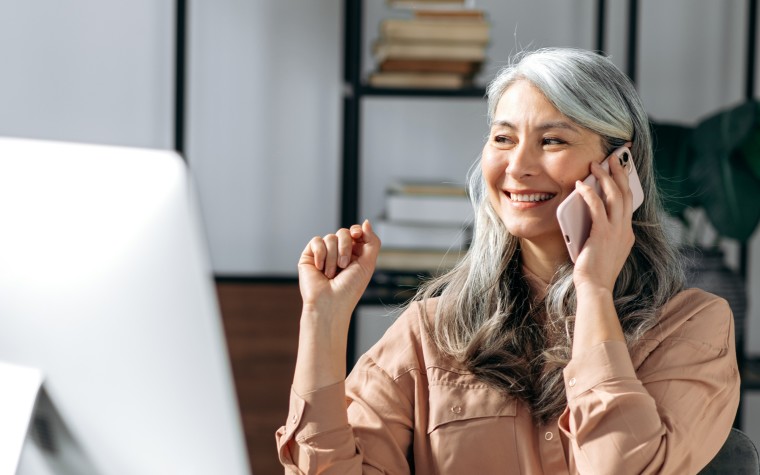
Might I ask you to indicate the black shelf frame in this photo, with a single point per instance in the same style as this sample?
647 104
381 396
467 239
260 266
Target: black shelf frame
354 90
471 92
180 75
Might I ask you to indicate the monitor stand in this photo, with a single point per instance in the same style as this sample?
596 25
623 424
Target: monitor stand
20 387
34 437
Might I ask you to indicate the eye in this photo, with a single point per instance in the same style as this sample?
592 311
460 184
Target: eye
502 139
553 141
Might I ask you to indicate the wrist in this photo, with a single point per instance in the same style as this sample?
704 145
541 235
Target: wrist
322 346
592 291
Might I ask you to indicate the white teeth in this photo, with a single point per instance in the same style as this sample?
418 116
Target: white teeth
531 197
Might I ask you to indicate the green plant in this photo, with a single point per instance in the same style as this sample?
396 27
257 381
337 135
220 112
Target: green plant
714 165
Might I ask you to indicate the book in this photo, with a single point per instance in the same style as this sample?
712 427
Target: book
450 15
412 260
437 50
427 4
404 235
430 209
421 80
397 29
464 68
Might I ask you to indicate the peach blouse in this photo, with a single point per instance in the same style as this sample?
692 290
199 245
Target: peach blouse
664 406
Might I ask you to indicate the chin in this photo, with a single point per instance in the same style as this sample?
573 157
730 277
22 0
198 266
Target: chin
537 233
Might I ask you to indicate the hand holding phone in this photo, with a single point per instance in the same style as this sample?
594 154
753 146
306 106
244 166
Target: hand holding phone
573 213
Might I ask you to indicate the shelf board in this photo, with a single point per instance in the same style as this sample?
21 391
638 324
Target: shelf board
471 92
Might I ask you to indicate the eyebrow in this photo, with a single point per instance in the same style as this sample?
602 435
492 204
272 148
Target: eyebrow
558 124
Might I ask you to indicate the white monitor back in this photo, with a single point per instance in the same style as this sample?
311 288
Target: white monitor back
105 286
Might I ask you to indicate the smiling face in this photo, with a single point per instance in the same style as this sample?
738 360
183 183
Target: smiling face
531 161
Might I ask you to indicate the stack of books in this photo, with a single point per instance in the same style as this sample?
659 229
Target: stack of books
440 47
426 227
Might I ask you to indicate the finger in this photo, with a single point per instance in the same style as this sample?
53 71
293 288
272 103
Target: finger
621 166
357 233
594 201
613 197
331 259
345 246
371 241
314 253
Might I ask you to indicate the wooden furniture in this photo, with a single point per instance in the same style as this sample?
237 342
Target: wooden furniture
261 324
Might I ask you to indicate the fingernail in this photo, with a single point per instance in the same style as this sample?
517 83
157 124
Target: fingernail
343 262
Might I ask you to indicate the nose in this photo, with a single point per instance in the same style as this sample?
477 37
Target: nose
522 162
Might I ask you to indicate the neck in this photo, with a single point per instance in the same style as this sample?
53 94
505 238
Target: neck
542 259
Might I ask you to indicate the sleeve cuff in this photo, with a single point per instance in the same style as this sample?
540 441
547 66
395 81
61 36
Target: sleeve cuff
316 412
603 362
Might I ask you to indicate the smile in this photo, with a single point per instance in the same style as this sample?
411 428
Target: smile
530 197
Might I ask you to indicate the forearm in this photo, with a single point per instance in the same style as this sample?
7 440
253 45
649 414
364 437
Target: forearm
596 319
322 345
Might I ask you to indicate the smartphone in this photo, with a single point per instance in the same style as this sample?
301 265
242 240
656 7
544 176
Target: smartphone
573 213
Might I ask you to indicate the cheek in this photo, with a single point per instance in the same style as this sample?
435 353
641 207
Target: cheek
491 166
566 176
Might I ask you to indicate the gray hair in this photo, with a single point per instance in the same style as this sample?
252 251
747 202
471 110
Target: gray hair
486 317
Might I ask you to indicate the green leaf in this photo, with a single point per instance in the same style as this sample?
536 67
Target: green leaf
750 151
724 183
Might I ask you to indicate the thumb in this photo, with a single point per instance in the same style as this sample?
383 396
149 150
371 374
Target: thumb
371 247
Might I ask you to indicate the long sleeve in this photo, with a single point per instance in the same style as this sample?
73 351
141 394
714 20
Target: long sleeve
668 413
318 439
317 432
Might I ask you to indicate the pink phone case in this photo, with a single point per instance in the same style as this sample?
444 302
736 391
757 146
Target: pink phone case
574 215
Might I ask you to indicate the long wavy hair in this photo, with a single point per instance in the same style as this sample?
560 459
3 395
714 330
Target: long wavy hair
486 317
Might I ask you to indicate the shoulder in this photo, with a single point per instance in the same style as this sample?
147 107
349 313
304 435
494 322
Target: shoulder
694 317
697 314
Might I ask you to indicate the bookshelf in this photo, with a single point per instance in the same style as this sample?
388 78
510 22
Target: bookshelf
395 288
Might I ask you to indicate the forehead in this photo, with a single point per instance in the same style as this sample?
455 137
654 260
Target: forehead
522 101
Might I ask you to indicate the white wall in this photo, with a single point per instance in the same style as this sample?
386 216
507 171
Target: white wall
264 99
87 71
263 128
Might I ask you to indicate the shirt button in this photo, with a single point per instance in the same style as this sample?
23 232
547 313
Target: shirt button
456 409
571 383
294 418
548 436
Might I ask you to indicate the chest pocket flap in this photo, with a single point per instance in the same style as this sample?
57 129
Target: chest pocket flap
457 403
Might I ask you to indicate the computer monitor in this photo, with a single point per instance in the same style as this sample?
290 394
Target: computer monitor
106 288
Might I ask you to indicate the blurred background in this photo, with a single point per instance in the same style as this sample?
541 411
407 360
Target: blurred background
271 106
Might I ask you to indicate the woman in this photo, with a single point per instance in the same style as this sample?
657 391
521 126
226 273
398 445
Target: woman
518 360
